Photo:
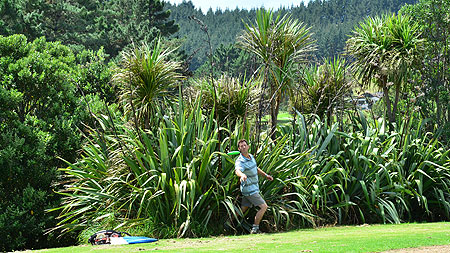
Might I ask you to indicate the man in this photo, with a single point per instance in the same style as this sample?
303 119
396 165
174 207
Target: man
247 170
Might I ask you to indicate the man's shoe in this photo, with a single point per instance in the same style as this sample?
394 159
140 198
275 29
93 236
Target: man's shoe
255 231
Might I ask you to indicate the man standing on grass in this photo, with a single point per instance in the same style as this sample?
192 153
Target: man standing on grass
247 170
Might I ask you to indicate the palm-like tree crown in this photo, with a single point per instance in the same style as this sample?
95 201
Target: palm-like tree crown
385 50
281 43
147 78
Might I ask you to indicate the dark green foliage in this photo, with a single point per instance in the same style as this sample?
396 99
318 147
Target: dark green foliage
40 112
24 221
87 24
115 24
232 60
95 74
72 22
431 84
22 17
122 22
222 26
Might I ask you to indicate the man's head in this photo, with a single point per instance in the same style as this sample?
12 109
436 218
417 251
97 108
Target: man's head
243 146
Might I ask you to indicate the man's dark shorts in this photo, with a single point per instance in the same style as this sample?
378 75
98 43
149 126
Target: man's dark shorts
252 200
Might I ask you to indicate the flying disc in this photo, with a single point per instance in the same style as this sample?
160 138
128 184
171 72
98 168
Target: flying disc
131 240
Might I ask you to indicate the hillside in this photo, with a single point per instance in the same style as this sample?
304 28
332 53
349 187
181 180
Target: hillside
331 22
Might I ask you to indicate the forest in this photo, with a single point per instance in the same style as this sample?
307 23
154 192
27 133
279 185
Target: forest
121 114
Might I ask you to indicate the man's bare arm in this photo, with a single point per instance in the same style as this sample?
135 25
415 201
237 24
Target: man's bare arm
240 174
262 173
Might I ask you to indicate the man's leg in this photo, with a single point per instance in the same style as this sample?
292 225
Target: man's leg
260 213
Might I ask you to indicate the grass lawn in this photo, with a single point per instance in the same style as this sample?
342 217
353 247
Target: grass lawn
366 238
283 117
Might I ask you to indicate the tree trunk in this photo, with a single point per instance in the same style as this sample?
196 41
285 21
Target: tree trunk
260 109
273 116
438 107
397 95
387 100
146 121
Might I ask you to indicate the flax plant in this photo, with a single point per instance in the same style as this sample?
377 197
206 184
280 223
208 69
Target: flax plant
371 175
176 182
324 88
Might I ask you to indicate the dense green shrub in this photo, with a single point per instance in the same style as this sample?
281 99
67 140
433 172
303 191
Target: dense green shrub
231 98
369 174
40 112
177 180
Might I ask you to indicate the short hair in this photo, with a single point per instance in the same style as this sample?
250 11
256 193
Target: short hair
242 140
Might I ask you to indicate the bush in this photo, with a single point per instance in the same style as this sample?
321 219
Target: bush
41 111
368 174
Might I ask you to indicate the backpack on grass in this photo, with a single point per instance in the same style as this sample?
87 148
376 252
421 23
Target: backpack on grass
104 237
117 237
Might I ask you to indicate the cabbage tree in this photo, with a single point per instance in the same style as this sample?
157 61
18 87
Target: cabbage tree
386 50
147 78
280 43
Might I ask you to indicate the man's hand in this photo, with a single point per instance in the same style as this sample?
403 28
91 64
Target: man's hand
243 177
269 177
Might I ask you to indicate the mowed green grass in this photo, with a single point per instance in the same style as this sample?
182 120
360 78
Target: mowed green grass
366 238
283 117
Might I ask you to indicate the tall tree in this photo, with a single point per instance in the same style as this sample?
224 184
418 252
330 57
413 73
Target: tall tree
125 21
385 51
146 78
434 79
280 43
40 117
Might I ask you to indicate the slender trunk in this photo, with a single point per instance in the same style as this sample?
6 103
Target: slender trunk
444 79
146 121
329 113
244 123
446 59
260 110
387 100
438 107
274 108
437 93
448 112
407 118
258 118
397 95
293 129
